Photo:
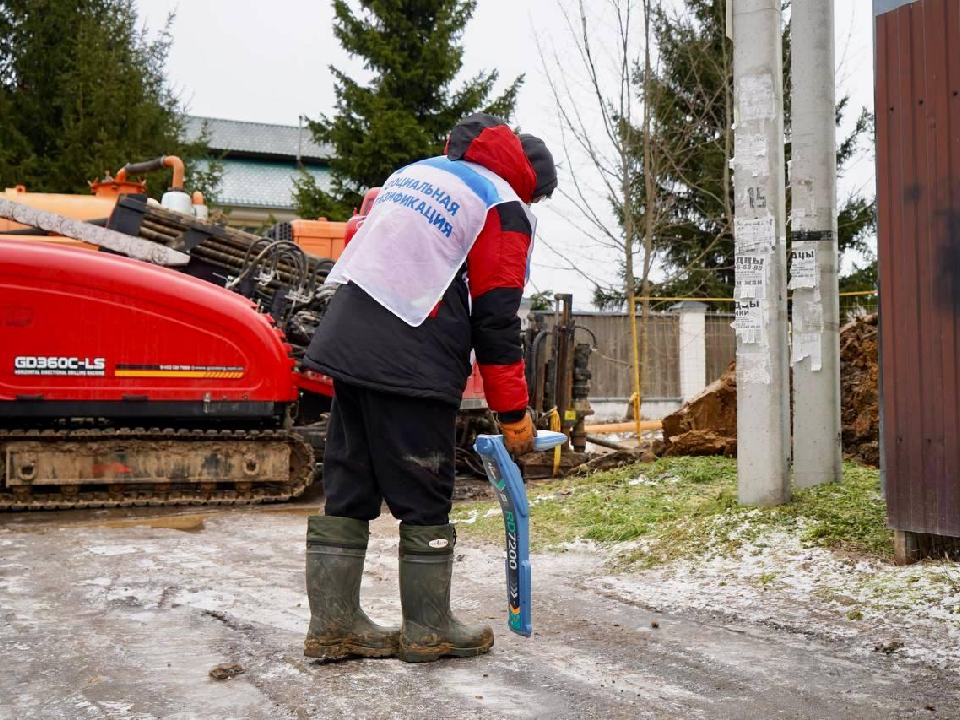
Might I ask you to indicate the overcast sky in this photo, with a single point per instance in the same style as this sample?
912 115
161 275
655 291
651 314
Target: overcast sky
268 62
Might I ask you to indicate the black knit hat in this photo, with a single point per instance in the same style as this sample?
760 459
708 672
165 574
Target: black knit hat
542 161
468 130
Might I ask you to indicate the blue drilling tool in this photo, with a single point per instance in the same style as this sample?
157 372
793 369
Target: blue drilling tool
504 475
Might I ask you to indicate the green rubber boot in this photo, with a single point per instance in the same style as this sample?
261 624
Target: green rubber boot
339 629
429 629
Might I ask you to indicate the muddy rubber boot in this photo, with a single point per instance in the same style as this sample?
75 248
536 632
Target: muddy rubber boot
429 629
339 629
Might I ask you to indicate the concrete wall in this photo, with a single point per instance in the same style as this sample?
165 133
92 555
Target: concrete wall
692 339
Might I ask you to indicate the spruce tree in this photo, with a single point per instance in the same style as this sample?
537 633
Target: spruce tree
413 50
83 91
692 105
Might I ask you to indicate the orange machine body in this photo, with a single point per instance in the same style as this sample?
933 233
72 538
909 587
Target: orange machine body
323 238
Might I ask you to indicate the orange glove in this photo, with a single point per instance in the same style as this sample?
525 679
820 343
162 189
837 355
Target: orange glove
518 436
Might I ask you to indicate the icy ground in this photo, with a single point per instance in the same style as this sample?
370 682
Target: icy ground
107 619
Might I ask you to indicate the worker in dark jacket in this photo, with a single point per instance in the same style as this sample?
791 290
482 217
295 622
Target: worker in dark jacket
437 270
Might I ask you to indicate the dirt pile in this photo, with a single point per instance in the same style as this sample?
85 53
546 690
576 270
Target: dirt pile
859 376
707 424
702 442
225 671
648 451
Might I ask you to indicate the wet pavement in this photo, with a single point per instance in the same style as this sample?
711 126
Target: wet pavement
122 614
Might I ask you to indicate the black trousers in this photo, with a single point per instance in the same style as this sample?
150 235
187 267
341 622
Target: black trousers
382 446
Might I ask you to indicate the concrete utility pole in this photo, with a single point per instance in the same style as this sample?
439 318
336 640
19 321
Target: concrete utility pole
763 397
814 257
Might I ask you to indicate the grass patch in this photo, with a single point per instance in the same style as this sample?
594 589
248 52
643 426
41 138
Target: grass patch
851 515
682 507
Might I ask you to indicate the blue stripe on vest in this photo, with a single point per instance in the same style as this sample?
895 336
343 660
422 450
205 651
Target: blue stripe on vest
484 189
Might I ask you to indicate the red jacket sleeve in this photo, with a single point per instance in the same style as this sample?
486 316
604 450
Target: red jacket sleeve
497 272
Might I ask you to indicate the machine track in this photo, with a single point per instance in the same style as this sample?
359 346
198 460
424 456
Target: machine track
111 493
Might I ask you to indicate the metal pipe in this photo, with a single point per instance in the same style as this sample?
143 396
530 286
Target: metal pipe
149 234
179 172
623 427
564 357
606 443
128 245
161 226
536 388
239 257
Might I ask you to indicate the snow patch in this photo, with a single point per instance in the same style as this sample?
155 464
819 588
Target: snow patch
469 520
109 550
98 581
773 580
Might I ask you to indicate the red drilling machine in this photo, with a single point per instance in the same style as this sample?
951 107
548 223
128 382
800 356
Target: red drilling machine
124 382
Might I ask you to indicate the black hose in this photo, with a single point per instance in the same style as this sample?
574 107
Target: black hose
271 247
590 333
25 231
139 168
320 266
535 359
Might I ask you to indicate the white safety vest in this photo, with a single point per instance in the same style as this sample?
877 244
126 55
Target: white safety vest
418 234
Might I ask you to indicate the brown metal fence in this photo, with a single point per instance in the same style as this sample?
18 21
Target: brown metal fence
918 211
